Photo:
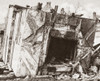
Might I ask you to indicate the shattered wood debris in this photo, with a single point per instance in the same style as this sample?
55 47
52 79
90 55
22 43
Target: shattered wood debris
42 43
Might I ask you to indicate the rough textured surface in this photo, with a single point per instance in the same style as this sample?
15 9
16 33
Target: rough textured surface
32 40
88 24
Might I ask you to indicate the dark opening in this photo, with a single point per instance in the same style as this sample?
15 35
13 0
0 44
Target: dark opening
61 49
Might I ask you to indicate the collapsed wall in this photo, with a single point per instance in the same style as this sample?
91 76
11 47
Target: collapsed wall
24 36
31 39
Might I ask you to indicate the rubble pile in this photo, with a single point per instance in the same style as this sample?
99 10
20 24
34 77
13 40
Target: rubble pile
41 43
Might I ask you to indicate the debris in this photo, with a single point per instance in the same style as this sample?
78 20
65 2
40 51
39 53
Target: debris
63 77
47 7
56 53
94 69
62 11
76 76
64 68
7 76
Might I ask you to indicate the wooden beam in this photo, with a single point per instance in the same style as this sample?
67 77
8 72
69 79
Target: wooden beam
17 22
7 35
89 33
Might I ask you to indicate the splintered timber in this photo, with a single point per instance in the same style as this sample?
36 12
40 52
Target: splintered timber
40 42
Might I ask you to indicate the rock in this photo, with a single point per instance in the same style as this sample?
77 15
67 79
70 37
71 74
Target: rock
7 76
2 64
63 77
6 71
76 76
94 69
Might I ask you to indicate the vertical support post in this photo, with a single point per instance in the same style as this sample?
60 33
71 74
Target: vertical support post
7 34
94 16
17 22
56 8
17 58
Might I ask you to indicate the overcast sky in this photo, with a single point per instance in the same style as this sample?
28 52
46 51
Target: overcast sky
91 5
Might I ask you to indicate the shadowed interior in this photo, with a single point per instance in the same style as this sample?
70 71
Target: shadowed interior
61 49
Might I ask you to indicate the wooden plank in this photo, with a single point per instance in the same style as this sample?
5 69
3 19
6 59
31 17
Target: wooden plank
4 39
31 60
20 55
45 44
30 68
6 45
89 33
17 22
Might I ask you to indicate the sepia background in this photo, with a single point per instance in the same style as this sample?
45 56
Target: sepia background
88 6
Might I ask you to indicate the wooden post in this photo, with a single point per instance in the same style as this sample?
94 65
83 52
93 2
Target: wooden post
7 34
17 58
17 22
56 8
4 39
54 13
94 16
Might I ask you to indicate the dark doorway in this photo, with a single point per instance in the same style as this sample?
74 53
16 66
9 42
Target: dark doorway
61 49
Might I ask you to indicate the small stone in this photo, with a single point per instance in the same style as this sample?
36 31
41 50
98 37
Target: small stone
94 69
76 76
